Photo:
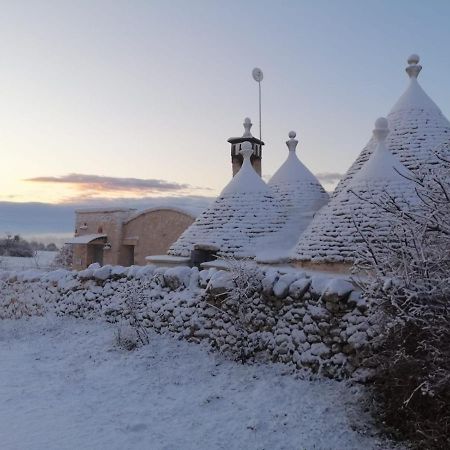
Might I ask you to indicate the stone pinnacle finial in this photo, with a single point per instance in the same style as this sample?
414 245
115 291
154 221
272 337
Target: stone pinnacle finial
381 129
292 142
247 125
414 67
246 150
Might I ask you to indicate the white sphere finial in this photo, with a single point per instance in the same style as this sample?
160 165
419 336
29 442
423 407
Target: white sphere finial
381 129
257 74
292 142
414 67
246 149
247 125
414 59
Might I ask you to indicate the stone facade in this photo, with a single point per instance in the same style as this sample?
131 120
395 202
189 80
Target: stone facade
152 232
106 222
125 236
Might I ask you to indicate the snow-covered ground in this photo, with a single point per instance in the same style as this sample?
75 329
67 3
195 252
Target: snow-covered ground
43 260
64 385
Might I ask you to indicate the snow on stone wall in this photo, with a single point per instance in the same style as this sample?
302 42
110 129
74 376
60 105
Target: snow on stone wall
308 322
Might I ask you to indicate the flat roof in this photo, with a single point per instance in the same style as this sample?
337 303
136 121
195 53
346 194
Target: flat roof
106 210
85 238
186 212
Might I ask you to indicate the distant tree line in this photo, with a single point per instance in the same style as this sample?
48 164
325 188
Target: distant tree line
15 245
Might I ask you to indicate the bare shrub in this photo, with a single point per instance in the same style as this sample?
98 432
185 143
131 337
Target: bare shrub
64 257
409 278
246 277
132 333
135 320
237 300
126 337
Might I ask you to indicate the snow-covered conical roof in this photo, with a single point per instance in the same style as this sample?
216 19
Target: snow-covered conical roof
244 214
335 232
292 170
246 180
417 127
299 193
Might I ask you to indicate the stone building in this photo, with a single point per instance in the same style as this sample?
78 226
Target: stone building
418 132
125 236
417 129
341 227
251 218
244 214
291 219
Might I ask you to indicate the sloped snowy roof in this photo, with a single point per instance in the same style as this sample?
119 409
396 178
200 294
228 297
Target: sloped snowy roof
335 232
244 213
417 127
293 170
299 193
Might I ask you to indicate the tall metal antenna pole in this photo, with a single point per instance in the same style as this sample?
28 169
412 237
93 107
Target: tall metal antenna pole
258 76
259 85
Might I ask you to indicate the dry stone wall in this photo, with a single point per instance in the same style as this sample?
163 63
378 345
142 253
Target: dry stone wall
317 324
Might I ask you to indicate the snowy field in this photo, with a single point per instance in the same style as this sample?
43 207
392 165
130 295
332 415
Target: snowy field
64 385
43 260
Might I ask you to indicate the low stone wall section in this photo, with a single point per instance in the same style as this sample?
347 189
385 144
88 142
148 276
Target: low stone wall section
318 324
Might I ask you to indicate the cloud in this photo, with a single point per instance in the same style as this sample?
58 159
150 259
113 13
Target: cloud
329 177
115 184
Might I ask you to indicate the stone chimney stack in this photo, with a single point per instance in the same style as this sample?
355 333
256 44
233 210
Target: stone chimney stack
236 156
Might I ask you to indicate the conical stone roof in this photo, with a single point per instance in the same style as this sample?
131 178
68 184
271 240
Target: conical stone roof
299 192
417 127
336 231
244 214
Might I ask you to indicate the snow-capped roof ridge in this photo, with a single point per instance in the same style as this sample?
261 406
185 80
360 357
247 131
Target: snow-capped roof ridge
292 169
246 180
333 236
382 164
414 97
417 127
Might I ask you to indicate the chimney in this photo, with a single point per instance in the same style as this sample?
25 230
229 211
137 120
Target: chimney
236 156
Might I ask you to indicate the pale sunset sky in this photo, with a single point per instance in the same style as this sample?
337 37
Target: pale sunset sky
136 99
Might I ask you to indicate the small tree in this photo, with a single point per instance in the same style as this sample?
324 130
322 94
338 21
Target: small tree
15 246
51 247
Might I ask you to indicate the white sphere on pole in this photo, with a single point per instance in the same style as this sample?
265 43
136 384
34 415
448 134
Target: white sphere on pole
257 74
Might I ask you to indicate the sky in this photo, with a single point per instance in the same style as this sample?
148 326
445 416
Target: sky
132 102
